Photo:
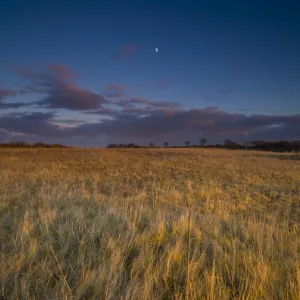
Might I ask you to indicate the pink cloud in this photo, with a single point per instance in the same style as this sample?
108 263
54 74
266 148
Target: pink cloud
61 93
169 111
139 100
117 87
72 97
7 92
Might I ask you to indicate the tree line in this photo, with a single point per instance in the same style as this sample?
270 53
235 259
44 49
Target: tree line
27 145
276 146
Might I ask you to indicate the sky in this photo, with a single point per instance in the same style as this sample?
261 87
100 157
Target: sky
86 73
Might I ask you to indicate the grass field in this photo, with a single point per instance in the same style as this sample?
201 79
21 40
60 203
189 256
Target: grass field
149 224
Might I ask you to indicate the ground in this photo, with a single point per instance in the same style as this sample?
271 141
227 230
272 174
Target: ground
149 224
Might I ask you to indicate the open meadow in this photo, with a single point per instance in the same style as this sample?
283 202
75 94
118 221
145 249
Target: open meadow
149 224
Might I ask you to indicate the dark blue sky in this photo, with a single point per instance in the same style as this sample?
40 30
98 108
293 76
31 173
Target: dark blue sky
86 73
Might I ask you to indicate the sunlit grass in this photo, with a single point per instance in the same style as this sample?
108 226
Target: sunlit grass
148 224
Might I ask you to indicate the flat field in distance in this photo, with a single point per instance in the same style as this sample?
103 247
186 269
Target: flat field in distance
149 224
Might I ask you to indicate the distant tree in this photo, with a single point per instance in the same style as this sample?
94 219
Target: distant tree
187 143
203 142
151 145
166 144
247 145
232 145
228 142
111 146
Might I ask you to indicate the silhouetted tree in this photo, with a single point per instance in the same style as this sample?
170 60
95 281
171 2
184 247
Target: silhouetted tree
26 145
166 144
151 145
247 145
188 143
203 142
112 146
228 142
232 145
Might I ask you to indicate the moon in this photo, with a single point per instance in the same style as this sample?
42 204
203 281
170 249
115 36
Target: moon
156 49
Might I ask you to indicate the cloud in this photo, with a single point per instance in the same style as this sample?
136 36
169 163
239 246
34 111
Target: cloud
129 111
60 92
142 101
37 116
32 123
6 105
138 100
107 111
127 51
194 123
165 104
72 97
127 118
142 124
4 93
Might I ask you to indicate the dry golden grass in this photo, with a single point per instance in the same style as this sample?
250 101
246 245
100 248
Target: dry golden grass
149 224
